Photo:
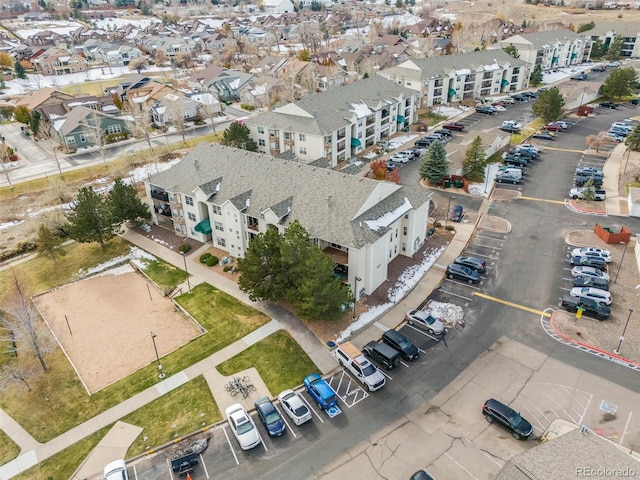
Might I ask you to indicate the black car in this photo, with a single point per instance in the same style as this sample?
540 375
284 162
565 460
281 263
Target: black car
487 110
456 214
509 129
518 97
586 261
523 152
544 136
398 341
588 306
270 417
445 132
595 282
609 105
421 475
517 160
581 180
463 273
599 68
498 412
530 95
474 263
635 101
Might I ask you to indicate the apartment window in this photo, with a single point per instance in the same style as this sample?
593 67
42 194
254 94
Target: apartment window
217 210
404 247
111 129
221 241
83 139
287 136
396 233
395 249
302 137
71 140
404 230
261 142
219 226
406 217
188 200
191 216
260 130
303 151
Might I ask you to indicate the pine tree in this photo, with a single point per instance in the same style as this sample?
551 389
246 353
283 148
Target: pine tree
238 136
260 267
633 139
548 105
474 160
124 205
620 82
48 243
434 165
536 76
512 50
90 220
19 70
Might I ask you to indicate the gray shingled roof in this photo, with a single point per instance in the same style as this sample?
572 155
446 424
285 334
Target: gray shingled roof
474 60
547 37
332 110
324 201
626 29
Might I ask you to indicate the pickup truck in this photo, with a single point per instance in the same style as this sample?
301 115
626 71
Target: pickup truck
516 159
354 361
458 127
579 193
590 307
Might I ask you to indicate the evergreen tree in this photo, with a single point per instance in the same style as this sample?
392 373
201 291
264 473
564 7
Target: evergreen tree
294 252
633 139
22 115
548 105
19 70
34 122
474 160
588 191
260 267
512 50
237 135
536 76
620 82
615 48
124 205
90 220
583 27
433 164
597 49
48 243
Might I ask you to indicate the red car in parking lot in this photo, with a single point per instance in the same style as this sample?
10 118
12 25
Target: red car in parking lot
553 127
453 126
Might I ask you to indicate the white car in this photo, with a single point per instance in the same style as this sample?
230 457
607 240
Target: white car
592 251
242 427
584 271
500 108
561 124
294 407
402 157
116 470
601 296
624 126
512 124
530 146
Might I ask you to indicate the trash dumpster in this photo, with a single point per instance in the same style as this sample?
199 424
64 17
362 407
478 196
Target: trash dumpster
458 183
447 183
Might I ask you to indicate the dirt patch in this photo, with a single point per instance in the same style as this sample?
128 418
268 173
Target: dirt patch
584 238
503 194
110 320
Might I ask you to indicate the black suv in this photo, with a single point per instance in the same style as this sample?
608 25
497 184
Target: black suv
588 261
609 105
398 341
589 307
595 282
498 412
474 263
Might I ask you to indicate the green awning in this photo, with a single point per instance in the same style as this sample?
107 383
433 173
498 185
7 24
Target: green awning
452 92
504 83
400 119
355 142
204 227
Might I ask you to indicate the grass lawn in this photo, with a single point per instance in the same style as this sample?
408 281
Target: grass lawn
62 402
278 358
181 407
163 273
432 117
90 88
8 449
63 464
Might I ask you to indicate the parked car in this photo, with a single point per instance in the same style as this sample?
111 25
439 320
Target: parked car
635 101
580 76
474 263
386 356
270 417
518 97
599 68
445 132
594 251
553 127
509 129
595 180
623 125
504 177
497 412
588 272
603 297
587 261
397 340
421 475
400 157
589 307
391 166
508 101
423 142
242 427
459 127
488 110
294 407
609 105
512 123
456 213
320 391
581 193
424 321
613 64
529 94
531 147
595 282
517 160
544 135
621 132
564 125
116 470
523 152
586 171
613 137
461 272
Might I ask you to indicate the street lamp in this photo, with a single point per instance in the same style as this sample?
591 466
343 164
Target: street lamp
617 350
446 220
153 339
184 257
355 295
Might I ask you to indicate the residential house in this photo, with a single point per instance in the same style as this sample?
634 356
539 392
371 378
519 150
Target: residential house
329 76
84 127
550 49
278 6
227 85
453 78
338 124
361 223
174 108
57 61
609 31
116 55
44 96
170 47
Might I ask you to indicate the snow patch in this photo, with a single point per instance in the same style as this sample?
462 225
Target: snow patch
4 226
448 313
389 217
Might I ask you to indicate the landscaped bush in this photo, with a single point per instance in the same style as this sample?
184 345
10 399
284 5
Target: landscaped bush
246 106
226 268
204 257
184 248
212 260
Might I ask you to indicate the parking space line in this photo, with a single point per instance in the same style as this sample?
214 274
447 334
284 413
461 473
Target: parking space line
230 446
561 409
483 452
461 283
385 374
311 408
262 442
481 254
421 351
564 149
425 334
501 239
461 467
170 469
511 304
135 472
626 427
285 422
456 295
487 246
206 472
534 416
585 408
573 397
406 365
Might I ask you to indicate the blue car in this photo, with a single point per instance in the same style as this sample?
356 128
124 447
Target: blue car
320 391
270 417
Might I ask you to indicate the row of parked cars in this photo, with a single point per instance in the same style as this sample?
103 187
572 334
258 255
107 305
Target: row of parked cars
467 269
592 177
515 162
619 131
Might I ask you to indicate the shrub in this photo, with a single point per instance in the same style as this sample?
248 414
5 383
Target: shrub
437 224
450 228
212 260
204 257
184 248
227 268
246 106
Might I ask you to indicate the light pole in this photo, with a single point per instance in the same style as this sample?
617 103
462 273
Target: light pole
617 350
615 280
486 179
446 219
184 257
355 295
153 339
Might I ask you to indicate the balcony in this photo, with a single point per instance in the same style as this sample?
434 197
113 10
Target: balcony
274 150
160 195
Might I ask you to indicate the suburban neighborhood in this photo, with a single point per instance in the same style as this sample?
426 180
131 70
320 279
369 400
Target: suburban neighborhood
319 239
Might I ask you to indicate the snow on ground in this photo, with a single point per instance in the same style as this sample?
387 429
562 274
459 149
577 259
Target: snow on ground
61 28
483 189
406 281
447 313
397 142
118 23
135 256
405 19
566 72
6 225
449 112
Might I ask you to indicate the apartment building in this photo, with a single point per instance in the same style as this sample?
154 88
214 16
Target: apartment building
338 124
609 31
225 197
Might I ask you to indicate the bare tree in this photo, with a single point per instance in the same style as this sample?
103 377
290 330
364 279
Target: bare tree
138 64
4 159
597 141
23 320
210 108
174 114
92 129
16 372
138 121
51 140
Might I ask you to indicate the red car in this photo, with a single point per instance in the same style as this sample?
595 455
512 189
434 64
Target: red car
552 127
502 104
453 126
